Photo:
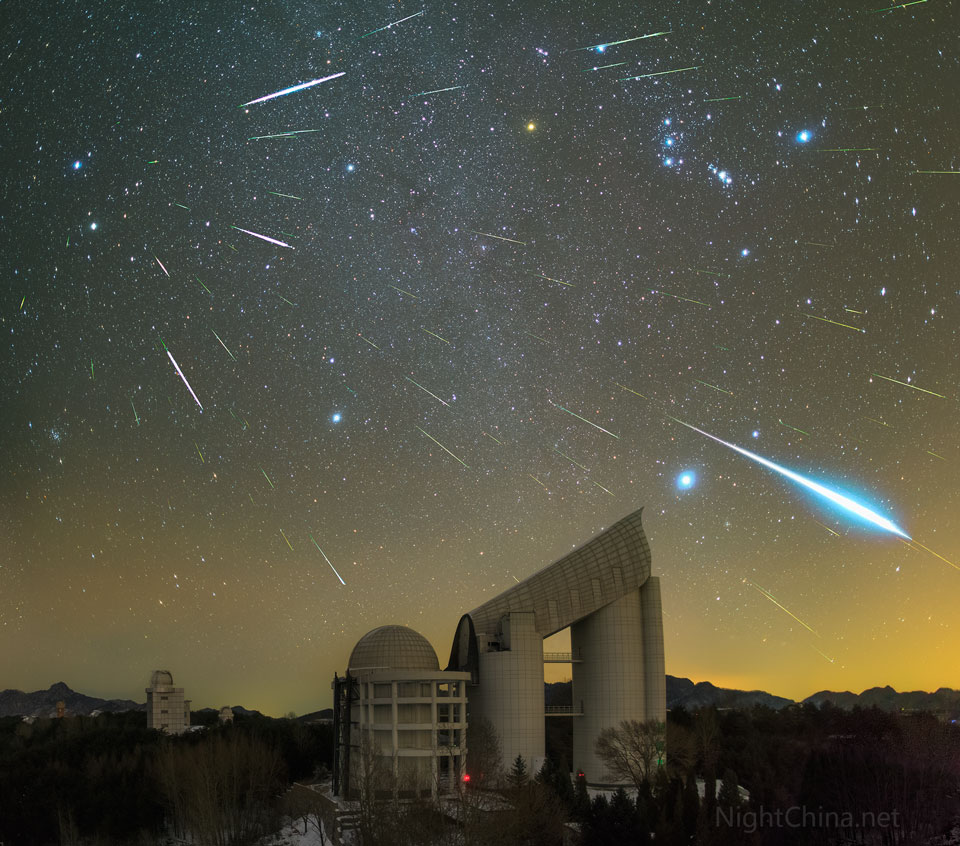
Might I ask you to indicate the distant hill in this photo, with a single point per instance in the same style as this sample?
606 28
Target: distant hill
680 691
43 703
692 695
945 700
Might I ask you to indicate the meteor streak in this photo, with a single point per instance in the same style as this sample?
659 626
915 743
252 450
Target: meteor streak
606 44
426 391
660 73
584 419
135 415
222 344
293 88
833 496
285 538
708 385
395 288
255 235
435 335
685 299
769 596
372 344
835 323
558 452
288 196
624 387
908 385
498 237
328 561
558 281
265 476
185 382
162 267
432 438
374 31
439 90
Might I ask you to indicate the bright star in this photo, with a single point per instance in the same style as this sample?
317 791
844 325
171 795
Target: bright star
755 433
93 225
601 47
803 136
686 480
531 126
669 142
336 417
744 252
77 164
351 167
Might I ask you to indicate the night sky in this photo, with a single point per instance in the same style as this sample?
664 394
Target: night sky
466 347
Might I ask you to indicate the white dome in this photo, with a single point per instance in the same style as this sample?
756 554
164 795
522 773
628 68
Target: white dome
393 648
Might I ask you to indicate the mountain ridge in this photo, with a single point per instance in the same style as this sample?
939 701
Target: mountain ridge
680 692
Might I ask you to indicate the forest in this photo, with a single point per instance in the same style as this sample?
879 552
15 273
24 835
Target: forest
800 775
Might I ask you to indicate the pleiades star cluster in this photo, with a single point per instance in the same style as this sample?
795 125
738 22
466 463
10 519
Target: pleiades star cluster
319 317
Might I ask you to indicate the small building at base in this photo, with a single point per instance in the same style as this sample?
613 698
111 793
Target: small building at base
399 721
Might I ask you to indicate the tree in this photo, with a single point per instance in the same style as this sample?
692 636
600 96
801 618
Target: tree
484 756
518 772
632 750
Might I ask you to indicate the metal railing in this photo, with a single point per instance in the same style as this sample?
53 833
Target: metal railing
559 658
562 710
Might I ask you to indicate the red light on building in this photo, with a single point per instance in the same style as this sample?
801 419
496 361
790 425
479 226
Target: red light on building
466 777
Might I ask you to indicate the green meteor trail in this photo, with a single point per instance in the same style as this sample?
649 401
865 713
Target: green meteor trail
439 90
432 438
584 419
498 237
265 476
908 385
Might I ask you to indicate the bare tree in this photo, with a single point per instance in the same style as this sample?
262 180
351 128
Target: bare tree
632 750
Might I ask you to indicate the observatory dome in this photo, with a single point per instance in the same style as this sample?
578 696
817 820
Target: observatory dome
393 648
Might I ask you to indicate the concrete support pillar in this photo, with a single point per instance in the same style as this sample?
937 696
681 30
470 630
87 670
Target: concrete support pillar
654 664
609 681
510 693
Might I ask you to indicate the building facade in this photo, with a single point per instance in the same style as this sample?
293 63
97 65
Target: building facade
167 710
604 593
399 720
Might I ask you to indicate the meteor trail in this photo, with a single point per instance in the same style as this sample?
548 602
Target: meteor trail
265 476
185 382
222 344
908 385
432 438
833 496
435 335
255 235
624 387
835 323
558 452
558 281
135 415
795 429
708 385
328 561
285 538
601 67
492 438
606 44
199 453
395 288
584 419
498 237
685 299
374 31
372 344
439 90
661 73
426 391
293 88
288 196
162 267
769 596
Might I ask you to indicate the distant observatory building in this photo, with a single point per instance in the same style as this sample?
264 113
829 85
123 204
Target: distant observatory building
393 697
398 719
167 710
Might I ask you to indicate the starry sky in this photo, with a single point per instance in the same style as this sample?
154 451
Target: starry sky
487 267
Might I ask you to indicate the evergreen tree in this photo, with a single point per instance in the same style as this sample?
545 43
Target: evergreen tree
729 795
518 772
581 798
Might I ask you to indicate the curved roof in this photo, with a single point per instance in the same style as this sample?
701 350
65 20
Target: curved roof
605 568
393 648
161 678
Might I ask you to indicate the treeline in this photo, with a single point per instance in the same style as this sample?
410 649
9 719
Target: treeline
801 775
109 779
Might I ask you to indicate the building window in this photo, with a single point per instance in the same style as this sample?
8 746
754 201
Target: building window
163 698
426 689
443 713
382 691
163 710
407 689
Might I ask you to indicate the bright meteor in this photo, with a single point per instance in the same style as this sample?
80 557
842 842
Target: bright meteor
262 237
293 88
185 382
833 496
